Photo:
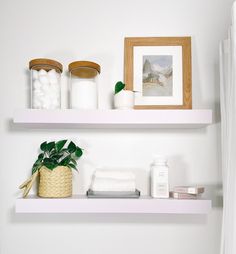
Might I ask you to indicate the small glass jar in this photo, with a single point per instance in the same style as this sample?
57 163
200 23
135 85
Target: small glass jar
84 84
45 83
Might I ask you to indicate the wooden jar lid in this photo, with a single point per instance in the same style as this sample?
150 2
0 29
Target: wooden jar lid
46 64
84 69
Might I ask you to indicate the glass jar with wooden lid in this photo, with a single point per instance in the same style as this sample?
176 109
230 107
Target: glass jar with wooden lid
84 84
45 83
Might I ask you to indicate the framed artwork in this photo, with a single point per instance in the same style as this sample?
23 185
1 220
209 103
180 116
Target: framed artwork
158 69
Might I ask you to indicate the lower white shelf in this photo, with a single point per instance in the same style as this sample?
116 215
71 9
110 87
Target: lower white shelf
82 204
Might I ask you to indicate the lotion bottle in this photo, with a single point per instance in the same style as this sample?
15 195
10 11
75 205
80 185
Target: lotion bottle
159 177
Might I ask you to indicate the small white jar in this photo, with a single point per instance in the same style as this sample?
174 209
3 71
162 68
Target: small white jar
45 83
159 178
124 99
83 84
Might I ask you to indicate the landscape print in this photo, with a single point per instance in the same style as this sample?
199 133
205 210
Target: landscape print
157 75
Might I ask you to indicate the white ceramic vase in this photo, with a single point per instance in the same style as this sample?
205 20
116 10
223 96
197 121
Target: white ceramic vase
124 99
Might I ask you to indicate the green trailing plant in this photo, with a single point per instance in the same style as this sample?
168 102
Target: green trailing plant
55 154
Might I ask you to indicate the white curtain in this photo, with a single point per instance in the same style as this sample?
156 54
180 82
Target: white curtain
228 136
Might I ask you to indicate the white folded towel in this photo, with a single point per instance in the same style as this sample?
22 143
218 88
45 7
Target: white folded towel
114 174
106 184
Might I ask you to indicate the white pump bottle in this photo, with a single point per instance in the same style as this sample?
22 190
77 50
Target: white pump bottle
159 177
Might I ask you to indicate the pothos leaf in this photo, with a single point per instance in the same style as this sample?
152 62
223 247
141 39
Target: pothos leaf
72 166
50 146
43 146
56 156
73 161
119 86
59 145
37 165
71 147
78 152
34 169
41 155
49 165
65 161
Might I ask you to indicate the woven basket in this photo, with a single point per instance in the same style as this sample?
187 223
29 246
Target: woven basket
56 183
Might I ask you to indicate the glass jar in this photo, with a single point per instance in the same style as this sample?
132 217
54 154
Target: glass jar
84 84
45 83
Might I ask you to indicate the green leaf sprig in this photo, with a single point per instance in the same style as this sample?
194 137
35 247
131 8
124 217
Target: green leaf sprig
55 154
119 86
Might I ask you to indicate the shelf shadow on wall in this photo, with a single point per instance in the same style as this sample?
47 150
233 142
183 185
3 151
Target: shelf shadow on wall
214 193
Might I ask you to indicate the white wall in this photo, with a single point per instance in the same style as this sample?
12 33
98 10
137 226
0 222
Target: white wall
94 30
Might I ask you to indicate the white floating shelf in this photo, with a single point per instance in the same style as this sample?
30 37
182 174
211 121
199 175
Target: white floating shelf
82 204
70 118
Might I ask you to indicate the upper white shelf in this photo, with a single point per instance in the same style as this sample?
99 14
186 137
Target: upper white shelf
82 204
69 118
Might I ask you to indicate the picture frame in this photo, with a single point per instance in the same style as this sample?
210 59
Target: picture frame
158 69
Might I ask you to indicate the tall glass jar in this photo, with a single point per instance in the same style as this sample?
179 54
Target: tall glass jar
84 84
45 83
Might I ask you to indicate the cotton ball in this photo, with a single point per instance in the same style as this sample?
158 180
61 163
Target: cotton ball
46 88
43 77
52 75
42 72
58 76
50 93
45 102
54 102
36 84
35 74
38 93
37 100
54 92
44 80
55 86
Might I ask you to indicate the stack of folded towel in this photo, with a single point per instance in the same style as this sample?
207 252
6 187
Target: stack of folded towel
113 180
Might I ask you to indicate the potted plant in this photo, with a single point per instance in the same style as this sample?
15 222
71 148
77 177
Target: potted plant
123 99
54 167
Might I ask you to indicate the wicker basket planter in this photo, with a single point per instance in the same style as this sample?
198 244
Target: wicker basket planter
53 167
56 183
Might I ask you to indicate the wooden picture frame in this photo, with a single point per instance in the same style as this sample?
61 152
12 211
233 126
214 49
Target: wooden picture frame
168 87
